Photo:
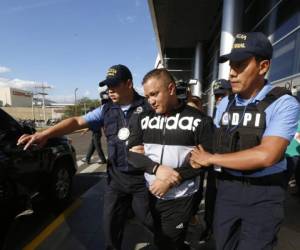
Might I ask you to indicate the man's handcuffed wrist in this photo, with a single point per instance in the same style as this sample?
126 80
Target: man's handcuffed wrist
155 169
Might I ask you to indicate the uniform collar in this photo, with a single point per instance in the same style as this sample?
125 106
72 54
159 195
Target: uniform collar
260 95
137 101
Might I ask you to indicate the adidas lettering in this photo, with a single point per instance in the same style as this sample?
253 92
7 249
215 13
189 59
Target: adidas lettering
184 123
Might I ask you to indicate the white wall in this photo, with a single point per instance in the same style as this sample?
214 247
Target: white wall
15 97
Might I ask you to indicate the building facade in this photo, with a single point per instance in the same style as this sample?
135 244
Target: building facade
14 97
191 35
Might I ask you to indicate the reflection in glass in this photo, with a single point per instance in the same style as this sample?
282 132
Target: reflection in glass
284 58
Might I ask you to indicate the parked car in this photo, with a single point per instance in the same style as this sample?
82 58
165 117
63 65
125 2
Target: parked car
51 122
46 171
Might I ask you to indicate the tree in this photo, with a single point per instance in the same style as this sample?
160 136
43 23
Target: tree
83 105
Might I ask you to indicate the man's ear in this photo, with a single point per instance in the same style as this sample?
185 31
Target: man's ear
129 83
172 88
264 67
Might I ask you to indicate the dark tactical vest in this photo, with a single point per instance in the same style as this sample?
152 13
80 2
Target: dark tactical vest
242 127
114 120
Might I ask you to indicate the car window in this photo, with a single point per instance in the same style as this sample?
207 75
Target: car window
10 129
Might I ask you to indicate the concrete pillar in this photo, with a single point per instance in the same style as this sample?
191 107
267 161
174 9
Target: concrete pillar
158 62
210 92
198 70
231 24
215 65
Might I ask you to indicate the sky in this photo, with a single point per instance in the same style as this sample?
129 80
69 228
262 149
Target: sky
69 44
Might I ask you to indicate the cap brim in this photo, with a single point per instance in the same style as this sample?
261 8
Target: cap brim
220 92
110 82
235 57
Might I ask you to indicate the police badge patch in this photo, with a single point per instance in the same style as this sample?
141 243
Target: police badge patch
123 134
138 110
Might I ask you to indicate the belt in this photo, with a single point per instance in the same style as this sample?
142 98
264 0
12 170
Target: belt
278 179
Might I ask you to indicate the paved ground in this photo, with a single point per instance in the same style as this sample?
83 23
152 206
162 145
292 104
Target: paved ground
80 226
289 236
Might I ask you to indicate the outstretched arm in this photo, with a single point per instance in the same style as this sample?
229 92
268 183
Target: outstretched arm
64 127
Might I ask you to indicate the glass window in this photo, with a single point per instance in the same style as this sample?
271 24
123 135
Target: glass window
297 54
284 58
254 10
288 18
283 19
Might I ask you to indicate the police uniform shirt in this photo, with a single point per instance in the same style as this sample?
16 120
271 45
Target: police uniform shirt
94 118
281 120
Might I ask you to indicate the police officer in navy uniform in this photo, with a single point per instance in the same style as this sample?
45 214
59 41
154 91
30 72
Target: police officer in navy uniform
221 88
126 186
255 125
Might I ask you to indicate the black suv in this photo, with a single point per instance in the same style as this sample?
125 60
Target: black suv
48 170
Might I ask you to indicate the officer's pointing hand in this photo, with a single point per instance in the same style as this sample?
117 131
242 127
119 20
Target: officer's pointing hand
199 157
37 138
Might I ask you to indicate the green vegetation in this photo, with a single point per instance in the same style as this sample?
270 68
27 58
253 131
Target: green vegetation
83 106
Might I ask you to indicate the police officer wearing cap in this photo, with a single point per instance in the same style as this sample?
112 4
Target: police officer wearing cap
126 186
255 125
221 89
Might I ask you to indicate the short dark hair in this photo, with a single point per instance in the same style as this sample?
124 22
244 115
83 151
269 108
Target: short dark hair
158 73
260 58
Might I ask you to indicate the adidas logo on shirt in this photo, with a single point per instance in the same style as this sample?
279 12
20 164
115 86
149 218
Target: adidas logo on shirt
172 123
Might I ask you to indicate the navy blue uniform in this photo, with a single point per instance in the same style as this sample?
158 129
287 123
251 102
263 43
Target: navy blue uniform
249 206
126 185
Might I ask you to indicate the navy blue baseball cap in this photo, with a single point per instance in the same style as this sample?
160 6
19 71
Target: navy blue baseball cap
221 87
115 75
247 45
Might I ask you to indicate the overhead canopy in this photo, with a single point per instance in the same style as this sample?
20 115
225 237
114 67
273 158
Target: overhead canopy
179 25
